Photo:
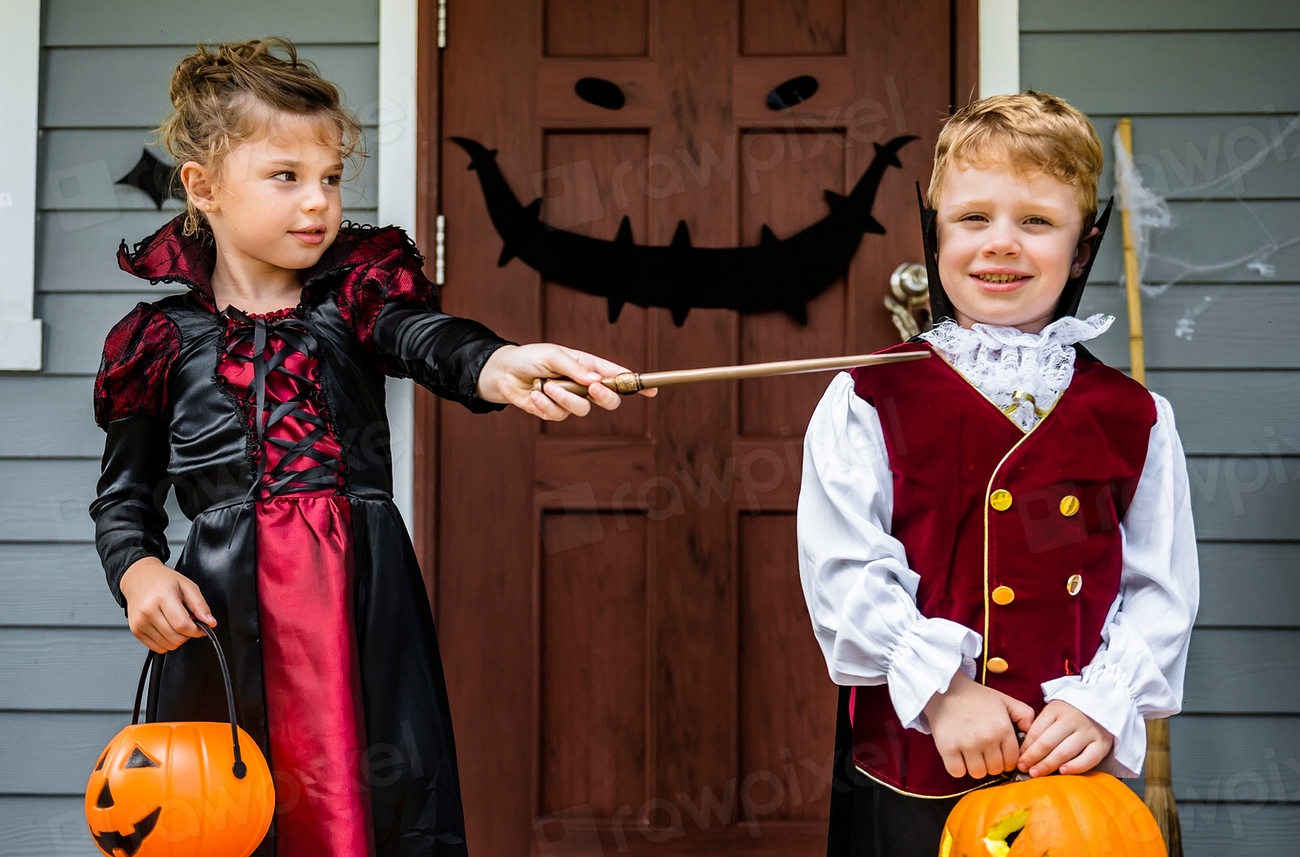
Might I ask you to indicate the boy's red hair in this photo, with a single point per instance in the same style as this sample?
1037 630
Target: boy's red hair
1030 131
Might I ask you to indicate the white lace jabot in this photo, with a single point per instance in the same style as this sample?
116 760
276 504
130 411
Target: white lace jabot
1023 373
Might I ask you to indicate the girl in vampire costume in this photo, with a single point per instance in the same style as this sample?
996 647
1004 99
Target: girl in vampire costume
271 428
1010 509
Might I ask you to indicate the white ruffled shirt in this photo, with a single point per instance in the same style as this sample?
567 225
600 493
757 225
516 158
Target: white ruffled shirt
861 592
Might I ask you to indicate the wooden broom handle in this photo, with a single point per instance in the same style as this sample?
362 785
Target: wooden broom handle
627 383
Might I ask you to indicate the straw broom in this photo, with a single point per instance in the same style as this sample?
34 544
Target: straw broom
1159 771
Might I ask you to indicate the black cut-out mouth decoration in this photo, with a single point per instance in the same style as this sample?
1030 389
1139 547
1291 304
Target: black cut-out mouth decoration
779 274
128 843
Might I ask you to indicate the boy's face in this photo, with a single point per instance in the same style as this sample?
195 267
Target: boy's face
1008 241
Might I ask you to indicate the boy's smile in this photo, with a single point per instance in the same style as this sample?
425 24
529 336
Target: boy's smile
1008 241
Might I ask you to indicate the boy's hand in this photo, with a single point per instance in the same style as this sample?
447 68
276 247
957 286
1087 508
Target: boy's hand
1064 738
507 378
974 727
159 602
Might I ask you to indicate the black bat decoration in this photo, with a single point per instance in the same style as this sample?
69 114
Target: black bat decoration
781 274
156 178
128 843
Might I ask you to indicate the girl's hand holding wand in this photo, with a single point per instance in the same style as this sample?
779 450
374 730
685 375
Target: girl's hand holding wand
508 376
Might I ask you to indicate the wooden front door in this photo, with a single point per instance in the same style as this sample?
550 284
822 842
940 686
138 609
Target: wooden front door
630 662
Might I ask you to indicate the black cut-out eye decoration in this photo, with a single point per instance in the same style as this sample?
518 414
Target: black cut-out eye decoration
600 92
99 766
792 92
157 178
138 759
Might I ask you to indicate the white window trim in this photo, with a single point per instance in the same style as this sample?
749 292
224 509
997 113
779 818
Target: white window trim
20 69
398 120
999 35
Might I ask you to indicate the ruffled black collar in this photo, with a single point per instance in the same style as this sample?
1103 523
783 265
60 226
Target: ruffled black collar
169 256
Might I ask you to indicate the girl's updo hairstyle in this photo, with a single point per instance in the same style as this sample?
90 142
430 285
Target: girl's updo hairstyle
232 93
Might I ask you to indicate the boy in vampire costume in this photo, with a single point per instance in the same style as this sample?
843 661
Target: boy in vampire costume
996 545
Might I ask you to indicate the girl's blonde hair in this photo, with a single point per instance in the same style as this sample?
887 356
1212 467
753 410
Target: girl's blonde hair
231 93
1029 131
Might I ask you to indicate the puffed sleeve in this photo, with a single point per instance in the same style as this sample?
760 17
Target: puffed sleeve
1138 671
393 308
860 590
131 405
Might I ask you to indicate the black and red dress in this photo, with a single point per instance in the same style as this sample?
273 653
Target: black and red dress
272 431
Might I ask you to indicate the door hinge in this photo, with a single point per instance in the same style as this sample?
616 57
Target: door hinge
439 250
442 24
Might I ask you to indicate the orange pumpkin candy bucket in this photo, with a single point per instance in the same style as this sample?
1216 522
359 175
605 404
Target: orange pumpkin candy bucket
1081 815
181 789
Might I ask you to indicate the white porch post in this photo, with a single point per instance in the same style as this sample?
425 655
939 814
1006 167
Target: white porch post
398 122
20 64
999 24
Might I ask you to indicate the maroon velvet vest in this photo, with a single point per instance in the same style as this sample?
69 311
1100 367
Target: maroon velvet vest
1014 535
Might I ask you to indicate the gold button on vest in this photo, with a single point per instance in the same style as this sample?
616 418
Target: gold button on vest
1000 499
997 665
1004 595
1074 584
1069 505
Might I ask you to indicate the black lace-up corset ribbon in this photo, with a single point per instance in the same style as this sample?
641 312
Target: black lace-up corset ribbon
273 413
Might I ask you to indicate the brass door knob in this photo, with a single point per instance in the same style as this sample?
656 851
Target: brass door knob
908 300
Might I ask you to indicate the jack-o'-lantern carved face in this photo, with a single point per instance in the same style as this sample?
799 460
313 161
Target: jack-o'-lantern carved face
169 789
1089 815
128 842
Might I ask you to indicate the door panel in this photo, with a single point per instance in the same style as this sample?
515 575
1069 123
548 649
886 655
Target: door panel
593 665
629 658
588 187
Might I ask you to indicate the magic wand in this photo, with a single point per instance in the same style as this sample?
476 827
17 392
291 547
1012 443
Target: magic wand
627 383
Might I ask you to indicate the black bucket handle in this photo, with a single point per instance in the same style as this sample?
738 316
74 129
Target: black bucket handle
239 769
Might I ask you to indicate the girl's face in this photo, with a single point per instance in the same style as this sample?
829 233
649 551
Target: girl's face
1008 241
274 201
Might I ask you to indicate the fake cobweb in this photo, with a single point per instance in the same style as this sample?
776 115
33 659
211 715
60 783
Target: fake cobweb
1150 215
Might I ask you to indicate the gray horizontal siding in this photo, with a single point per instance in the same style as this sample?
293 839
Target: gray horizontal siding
1157 73
56 585
49 669
1179 154
81 168
1218 758
1245 585
126 87
73 23
1053 15
1203 327
50 753
1243 671
46 500
1213 233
